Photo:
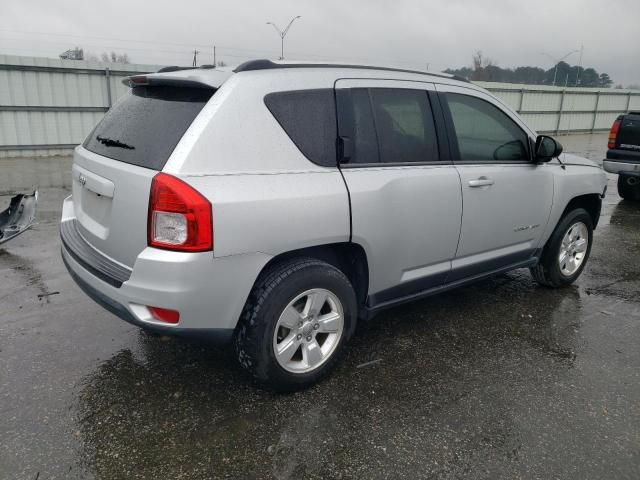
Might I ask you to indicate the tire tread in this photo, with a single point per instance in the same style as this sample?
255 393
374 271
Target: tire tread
247 346
543 272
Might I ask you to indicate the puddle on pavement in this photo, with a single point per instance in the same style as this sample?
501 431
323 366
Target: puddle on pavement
477 379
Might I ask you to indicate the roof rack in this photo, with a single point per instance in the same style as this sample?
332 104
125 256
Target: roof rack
263 64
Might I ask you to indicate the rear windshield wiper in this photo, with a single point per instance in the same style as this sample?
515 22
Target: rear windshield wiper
109 142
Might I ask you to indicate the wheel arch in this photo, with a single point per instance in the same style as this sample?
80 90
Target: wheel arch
591 202
350 258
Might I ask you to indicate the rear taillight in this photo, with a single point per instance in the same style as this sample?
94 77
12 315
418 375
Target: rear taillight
180 218
164 314
613 134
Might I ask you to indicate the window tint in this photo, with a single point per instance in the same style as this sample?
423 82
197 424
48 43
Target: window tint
146 125
405 127
629 133
365 141
390 125
484 132
309 118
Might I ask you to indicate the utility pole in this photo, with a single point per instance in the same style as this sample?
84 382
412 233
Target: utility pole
195 58
579 65
558 60
215 63
283 33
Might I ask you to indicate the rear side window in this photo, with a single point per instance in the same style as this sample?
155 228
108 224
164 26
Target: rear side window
484 132
388 125
145 126
405 126
364 129
629 133
309 119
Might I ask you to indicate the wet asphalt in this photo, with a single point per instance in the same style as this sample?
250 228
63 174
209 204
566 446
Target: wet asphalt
501 379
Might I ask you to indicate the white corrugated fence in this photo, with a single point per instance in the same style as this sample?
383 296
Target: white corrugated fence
47 106
565 110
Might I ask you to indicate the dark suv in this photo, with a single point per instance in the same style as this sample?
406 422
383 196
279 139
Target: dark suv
623 156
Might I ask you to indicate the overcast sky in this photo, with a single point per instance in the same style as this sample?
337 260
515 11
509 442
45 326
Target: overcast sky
409 33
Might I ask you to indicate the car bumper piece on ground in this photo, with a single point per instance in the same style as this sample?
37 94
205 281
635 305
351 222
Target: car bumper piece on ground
20 214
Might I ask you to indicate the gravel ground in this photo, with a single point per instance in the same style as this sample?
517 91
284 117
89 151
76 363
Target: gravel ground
502 379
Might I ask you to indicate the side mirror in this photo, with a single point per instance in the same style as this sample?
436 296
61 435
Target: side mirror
547 148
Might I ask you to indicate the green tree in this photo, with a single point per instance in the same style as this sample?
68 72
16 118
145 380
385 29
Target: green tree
485 69
605 81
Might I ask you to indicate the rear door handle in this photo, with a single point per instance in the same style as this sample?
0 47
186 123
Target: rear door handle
481 182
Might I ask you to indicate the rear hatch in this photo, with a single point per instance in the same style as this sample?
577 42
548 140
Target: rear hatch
113 169
629 133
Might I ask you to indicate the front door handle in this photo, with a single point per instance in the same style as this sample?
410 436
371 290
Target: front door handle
481 182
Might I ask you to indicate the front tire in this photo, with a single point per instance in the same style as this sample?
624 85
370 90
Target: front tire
567 251
295 324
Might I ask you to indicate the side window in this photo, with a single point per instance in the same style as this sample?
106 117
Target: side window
405 126
309 119
388 125
365 140
484 132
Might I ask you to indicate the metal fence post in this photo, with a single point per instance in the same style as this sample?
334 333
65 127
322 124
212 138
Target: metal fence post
560 111
521 100
107 76
595 111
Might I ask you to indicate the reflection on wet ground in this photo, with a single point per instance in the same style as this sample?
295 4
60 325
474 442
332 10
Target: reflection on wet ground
502 379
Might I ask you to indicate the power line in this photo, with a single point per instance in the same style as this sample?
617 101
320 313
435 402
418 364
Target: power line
152 42
221 50
204 46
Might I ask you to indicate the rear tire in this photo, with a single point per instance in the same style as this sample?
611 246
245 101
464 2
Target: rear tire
295 324
628 192
565 255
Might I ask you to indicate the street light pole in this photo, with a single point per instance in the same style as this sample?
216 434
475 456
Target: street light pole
283 33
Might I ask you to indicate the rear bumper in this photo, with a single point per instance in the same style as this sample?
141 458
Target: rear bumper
209 292
216 335
618 166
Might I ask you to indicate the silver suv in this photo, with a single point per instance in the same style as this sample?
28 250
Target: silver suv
277 204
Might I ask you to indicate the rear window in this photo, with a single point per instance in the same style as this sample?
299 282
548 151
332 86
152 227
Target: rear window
145 126
629 133
309 118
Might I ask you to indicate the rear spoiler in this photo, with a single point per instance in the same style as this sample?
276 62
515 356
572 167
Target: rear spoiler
145 81
194 78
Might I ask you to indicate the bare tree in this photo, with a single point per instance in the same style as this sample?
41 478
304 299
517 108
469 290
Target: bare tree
113 57
481 66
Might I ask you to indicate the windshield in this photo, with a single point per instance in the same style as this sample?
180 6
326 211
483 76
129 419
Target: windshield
145 126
